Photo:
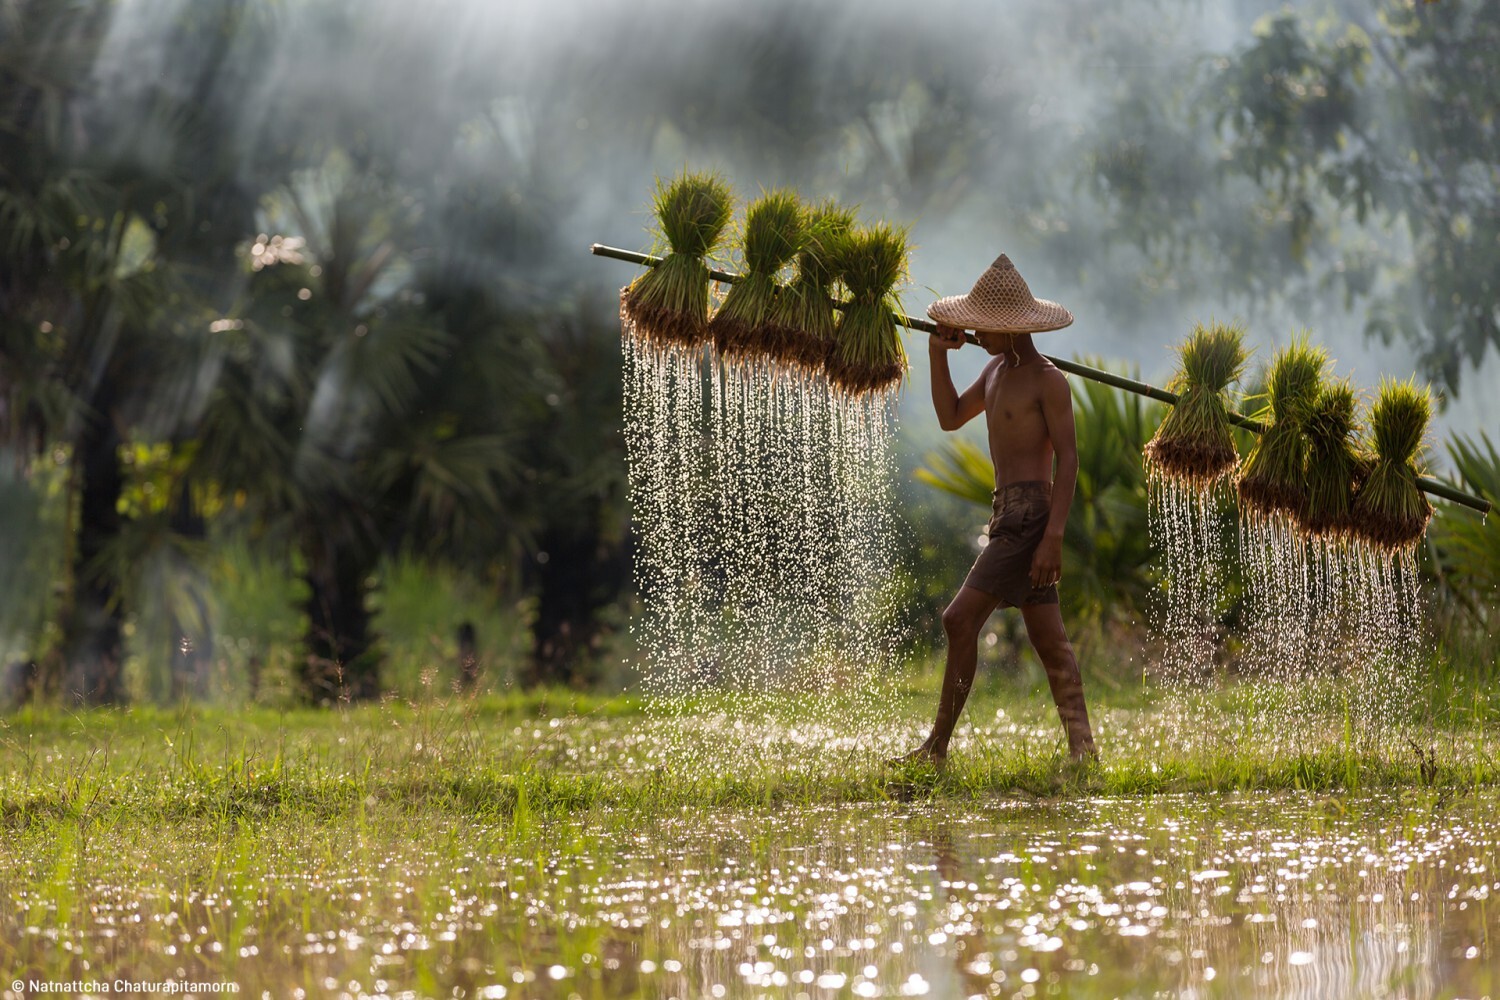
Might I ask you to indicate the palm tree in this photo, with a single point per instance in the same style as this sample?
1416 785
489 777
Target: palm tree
332 419
117 224
81 285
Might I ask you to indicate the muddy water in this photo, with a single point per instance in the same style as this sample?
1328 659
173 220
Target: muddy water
1282 895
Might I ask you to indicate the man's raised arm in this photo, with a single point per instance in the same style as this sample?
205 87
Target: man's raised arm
953 410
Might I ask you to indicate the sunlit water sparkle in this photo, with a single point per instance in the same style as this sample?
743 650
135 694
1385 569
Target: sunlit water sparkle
1287 895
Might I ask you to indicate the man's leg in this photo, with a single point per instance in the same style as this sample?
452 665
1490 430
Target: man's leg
1044 627
962 621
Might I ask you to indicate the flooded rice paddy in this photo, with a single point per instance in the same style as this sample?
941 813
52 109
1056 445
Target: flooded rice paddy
1275 895
954 886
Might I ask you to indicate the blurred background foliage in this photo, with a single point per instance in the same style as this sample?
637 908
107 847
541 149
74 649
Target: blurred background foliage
302 367
1466 551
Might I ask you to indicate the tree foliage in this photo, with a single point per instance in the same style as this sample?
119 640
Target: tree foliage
344 386
1466 549
1368 140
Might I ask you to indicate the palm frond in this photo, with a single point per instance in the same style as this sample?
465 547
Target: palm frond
458 481
962 469
387 361
1468 547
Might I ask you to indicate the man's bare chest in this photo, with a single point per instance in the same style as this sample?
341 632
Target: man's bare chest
1011 397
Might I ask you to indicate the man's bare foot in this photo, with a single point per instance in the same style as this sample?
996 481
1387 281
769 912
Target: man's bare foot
924 754
1084 753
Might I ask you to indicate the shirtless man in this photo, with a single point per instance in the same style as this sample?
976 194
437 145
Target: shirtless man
1029 415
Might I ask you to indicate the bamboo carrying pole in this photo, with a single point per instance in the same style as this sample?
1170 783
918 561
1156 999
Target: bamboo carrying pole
1435 487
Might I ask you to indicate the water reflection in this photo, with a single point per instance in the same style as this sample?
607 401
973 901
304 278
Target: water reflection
1275 895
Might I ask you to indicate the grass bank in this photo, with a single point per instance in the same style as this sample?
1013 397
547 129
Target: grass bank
522 758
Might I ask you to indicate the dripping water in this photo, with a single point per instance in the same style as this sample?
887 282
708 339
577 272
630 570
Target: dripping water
1330 631
762 508
1184 527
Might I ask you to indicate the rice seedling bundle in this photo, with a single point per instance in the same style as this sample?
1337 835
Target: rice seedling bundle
1390 511
867 356
1194 443
668 305
1273 476
801 329
773 234
1334 465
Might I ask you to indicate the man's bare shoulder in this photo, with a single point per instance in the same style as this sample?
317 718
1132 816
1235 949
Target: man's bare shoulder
988 371
1052 376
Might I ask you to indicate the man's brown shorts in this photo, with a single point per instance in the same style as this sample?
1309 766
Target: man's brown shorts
1003 568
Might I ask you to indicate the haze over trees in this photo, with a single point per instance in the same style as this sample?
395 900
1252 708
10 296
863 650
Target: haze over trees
310 276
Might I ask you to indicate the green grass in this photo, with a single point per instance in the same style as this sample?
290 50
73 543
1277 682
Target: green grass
773 233
801 328
692 211
1273 475
1334 466
668 304
554 753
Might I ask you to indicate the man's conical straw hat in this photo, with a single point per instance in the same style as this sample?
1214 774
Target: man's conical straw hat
1000 302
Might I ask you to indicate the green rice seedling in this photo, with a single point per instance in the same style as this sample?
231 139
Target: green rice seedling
774 226
867 355
802 326
1273 476
1194 443
1390 511
1334 463
668 305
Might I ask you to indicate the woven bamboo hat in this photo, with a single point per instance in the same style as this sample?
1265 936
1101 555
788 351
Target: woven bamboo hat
1000 302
